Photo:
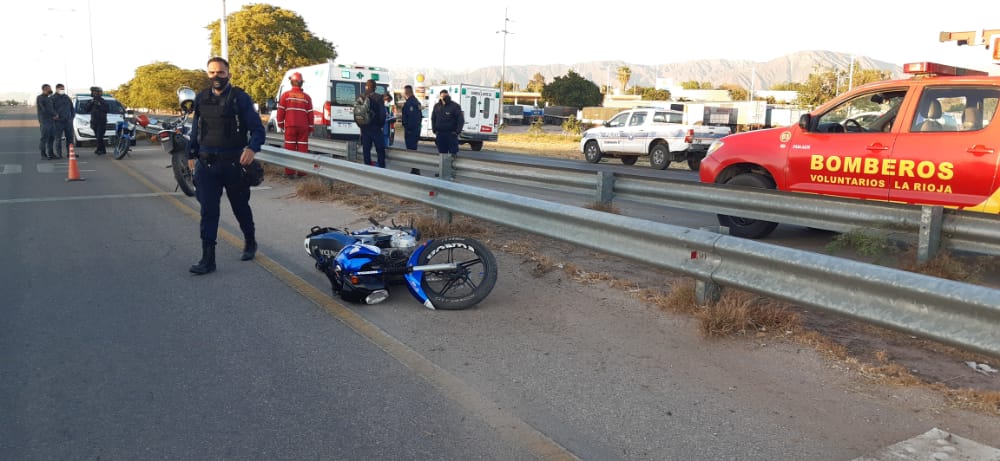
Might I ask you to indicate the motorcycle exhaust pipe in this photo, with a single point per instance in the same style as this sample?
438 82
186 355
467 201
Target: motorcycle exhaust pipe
377 296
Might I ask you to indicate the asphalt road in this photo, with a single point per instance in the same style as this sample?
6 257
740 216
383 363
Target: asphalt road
109 349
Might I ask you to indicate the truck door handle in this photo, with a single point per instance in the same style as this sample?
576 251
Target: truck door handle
980 149
877 146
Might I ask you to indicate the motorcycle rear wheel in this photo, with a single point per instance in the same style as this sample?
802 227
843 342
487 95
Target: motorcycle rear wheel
465 286
185 180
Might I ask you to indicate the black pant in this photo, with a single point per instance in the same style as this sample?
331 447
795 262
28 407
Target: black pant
412 136
99 128
368 137
45 144
225 173
447 143
62 128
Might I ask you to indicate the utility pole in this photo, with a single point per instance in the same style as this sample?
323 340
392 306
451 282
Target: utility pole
503 62
90 26
223 34
850 74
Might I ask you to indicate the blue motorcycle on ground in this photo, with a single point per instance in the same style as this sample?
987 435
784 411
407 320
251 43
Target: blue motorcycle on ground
448 273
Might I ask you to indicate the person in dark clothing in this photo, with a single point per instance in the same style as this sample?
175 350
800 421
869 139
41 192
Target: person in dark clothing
62 105
97 107
446 123
226 133
46 122
412 118
372 132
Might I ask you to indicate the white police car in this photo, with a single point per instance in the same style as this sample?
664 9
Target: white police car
82 132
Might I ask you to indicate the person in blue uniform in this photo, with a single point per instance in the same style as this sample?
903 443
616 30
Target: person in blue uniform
226 133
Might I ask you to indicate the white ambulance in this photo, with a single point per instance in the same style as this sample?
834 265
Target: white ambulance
480 107
333 89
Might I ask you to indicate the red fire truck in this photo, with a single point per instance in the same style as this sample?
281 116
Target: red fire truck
928 139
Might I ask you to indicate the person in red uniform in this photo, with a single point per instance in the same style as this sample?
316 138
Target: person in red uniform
295 117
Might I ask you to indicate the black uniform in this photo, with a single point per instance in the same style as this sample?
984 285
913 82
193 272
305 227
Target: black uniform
63 126
372 132
447 122
412 118
220 131
97 107
43 105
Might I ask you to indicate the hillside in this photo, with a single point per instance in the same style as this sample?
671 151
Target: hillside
794 67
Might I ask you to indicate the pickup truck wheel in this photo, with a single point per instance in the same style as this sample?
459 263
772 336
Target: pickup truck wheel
695 162
476 145
745 227
630 159
592 152
659 156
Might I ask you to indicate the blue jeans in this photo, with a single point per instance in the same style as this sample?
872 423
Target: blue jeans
62 128
369 137
45 144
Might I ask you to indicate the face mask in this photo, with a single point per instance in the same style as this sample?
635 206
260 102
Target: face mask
219 82
446 99
61 91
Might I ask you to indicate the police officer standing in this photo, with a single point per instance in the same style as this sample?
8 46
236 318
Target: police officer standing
224 119
372 132
63 126
446 123
97 107
412 118
46 116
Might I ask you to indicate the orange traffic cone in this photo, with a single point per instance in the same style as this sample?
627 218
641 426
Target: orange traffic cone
74 170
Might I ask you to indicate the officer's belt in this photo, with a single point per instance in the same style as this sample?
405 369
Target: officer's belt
210 158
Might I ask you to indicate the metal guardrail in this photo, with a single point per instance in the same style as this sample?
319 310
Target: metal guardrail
958 230
952 312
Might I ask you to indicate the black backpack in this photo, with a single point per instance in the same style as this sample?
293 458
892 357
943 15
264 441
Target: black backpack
363 114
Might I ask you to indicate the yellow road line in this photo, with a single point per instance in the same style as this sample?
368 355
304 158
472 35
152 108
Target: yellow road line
506 424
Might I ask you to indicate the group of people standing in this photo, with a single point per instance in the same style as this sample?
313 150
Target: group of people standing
55 119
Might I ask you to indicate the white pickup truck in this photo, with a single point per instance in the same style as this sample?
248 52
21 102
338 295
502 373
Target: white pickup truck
657 133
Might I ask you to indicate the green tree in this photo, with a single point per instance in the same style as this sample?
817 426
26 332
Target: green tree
651 94
825 84
264 42
787 86
736 92
155 86
624 75
508 86
696 85
536 83
572 90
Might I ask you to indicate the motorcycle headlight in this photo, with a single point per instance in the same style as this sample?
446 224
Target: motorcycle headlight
714 147
308 251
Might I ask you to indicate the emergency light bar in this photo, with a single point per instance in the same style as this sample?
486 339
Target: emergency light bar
933 68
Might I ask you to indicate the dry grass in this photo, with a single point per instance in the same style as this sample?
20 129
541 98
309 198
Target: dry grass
736 314
546 145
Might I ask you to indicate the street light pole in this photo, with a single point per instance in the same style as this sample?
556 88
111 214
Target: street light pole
223 34
93 67
503 62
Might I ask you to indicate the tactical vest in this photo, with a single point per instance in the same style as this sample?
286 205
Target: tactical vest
218 123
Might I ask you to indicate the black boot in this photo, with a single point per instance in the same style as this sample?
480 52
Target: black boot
249 250
207 263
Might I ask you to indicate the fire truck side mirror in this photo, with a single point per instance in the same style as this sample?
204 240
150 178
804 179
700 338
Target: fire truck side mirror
804 121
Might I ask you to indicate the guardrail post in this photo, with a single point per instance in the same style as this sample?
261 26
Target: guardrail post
352 151
605 187
446 171
931 219
707 292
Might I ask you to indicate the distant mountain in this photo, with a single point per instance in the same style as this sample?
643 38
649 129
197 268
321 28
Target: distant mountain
794 67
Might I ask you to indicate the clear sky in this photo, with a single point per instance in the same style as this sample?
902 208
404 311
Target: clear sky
50 40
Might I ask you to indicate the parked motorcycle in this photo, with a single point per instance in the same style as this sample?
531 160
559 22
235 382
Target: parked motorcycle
448 273
174 138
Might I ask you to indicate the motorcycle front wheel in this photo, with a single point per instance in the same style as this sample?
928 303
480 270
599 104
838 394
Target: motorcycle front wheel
185 180
464 286
121 147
